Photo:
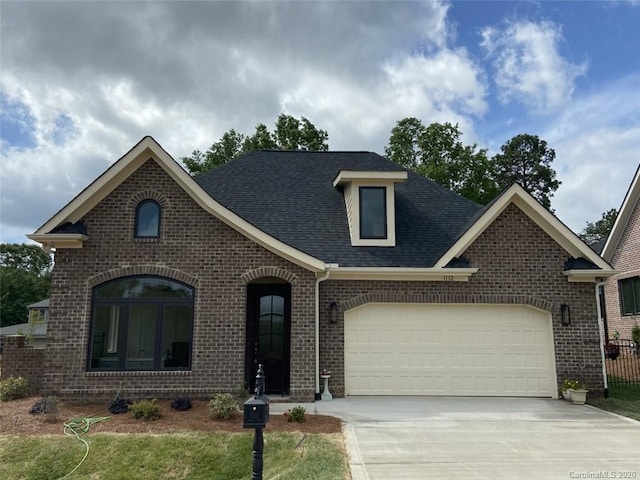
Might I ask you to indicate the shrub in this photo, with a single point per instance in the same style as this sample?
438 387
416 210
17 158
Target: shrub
13 388
181 404
46 405
296 414
635 337
119 406
223 405
146 409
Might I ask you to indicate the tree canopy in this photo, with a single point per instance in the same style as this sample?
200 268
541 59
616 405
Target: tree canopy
437 153
289 134
596 231
25 277
526 159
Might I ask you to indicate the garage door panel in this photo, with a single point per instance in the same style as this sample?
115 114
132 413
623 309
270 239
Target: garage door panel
395 349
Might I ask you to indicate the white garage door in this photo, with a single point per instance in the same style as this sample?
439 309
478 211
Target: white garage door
436 349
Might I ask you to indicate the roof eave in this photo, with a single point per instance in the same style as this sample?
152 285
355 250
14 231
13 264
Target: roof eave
588 276
59 240
403 274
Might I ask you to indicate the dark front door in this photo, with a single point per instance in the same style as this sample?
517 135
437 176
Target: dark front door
268 335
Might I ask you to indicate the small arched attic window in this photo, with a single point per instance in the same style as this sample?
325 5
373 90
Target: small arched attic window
148 219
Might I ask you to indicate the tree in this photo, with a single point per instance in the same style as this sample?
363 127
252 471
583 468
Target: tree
526 159
289 134
25 277
436 152
594 232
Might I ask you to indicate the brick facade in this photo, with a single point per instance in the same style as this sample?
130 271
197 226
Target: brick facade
518 263
195 248
626 259
20 360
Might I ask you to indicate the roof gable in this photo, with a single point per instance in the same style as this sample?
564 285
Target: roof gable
630 203
549 223
49 235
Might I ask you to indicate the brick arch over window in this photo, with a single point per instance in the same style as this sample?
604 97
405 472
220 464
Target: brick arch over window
389 297
261 272
135 200
138 270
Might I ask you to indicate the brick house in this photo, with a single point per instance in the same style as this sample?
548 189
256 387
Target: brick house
170 285
622 251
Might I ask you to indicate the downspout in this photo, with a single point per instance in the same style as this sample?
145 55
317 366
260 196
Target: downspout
602 339
328 267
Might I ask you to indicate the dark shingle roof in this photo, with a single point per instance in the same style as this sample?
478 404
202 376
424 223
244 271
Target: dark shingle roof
290 196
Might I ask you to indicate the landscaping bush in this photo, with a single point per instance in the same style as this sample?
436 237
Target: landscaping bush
223 406
119 406
47 405
13 388
181 404
635 337
146 409
296 414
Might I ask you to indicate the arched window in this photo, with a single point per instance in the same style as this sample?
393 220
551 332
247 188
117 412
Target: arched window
148 219
141 323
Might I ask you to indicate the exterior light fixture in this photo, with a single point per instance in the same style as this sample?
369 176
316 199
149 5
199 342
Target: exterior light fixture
565 313
333 312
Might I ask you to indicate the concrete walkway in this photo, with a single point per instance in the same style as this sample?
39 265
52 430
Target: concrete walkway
389 438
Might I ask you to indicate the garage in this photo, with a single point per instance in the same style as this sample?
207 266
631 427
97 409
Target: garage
449 349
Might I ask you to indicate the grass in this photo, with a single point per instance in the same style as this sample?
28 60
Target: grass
622 400
211 456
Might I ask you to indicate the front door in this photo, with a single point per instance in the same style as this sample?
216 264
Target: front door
268 335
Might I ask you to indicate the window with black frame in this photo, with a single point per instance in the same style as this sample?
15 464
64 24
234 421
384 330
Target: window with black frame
373 212
141 323
148 219
630 295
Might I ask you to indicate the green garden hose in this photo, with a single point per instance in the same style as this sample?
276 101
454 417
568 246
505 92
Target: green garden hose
78 427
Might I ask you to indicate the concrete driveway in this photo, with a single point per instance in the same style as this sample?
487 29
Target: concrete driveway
406 438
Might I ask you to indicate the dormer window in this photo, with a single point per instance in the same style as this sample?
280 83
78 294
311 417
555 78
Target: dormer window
369 198
373 212
147 219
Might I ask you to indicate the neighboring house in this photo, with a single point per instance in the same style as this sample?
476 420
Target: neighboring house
622 251
167 285
35 329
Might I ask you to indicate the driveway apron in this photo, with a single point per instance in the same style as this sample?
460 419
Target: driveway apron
408 438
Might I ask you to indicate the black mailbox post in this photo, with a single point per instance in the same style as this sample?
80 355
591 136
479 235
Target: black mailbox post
256 415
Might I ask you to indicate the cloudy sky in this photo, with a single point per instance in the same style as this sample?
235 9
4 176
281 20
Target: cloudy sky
82 81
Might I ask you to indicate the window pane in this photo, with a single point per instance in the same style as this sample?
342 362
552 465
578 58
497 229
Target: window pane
104 342
142 287
176 336
148 219
265 304
636 297
373 215
278 305
141 337
626 296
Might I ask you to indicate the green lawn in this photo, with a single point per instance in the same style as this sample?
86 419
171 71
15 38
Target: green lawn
622 400
193 456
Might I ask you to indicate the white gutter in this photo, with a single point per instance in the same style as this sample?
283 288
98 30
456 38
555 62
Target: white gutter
328 267
602 339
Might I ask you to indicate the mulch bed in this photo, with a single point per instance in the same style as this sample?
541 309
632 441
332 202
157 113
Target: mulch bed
15 419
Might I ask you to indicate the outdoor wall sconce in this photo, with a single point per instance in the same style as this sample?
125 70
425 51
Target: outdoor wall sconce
333 312
565 313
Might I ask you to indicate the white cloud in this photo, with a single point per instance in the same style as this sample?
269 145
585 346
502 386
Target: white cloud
528 65
597 144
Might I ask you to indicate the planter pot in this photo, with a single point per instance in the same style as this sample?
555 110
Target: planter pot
566 394
579 397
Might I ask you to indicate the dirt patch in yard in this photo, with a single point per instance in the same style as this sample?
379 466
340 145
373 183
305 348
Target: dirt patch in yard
15 419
